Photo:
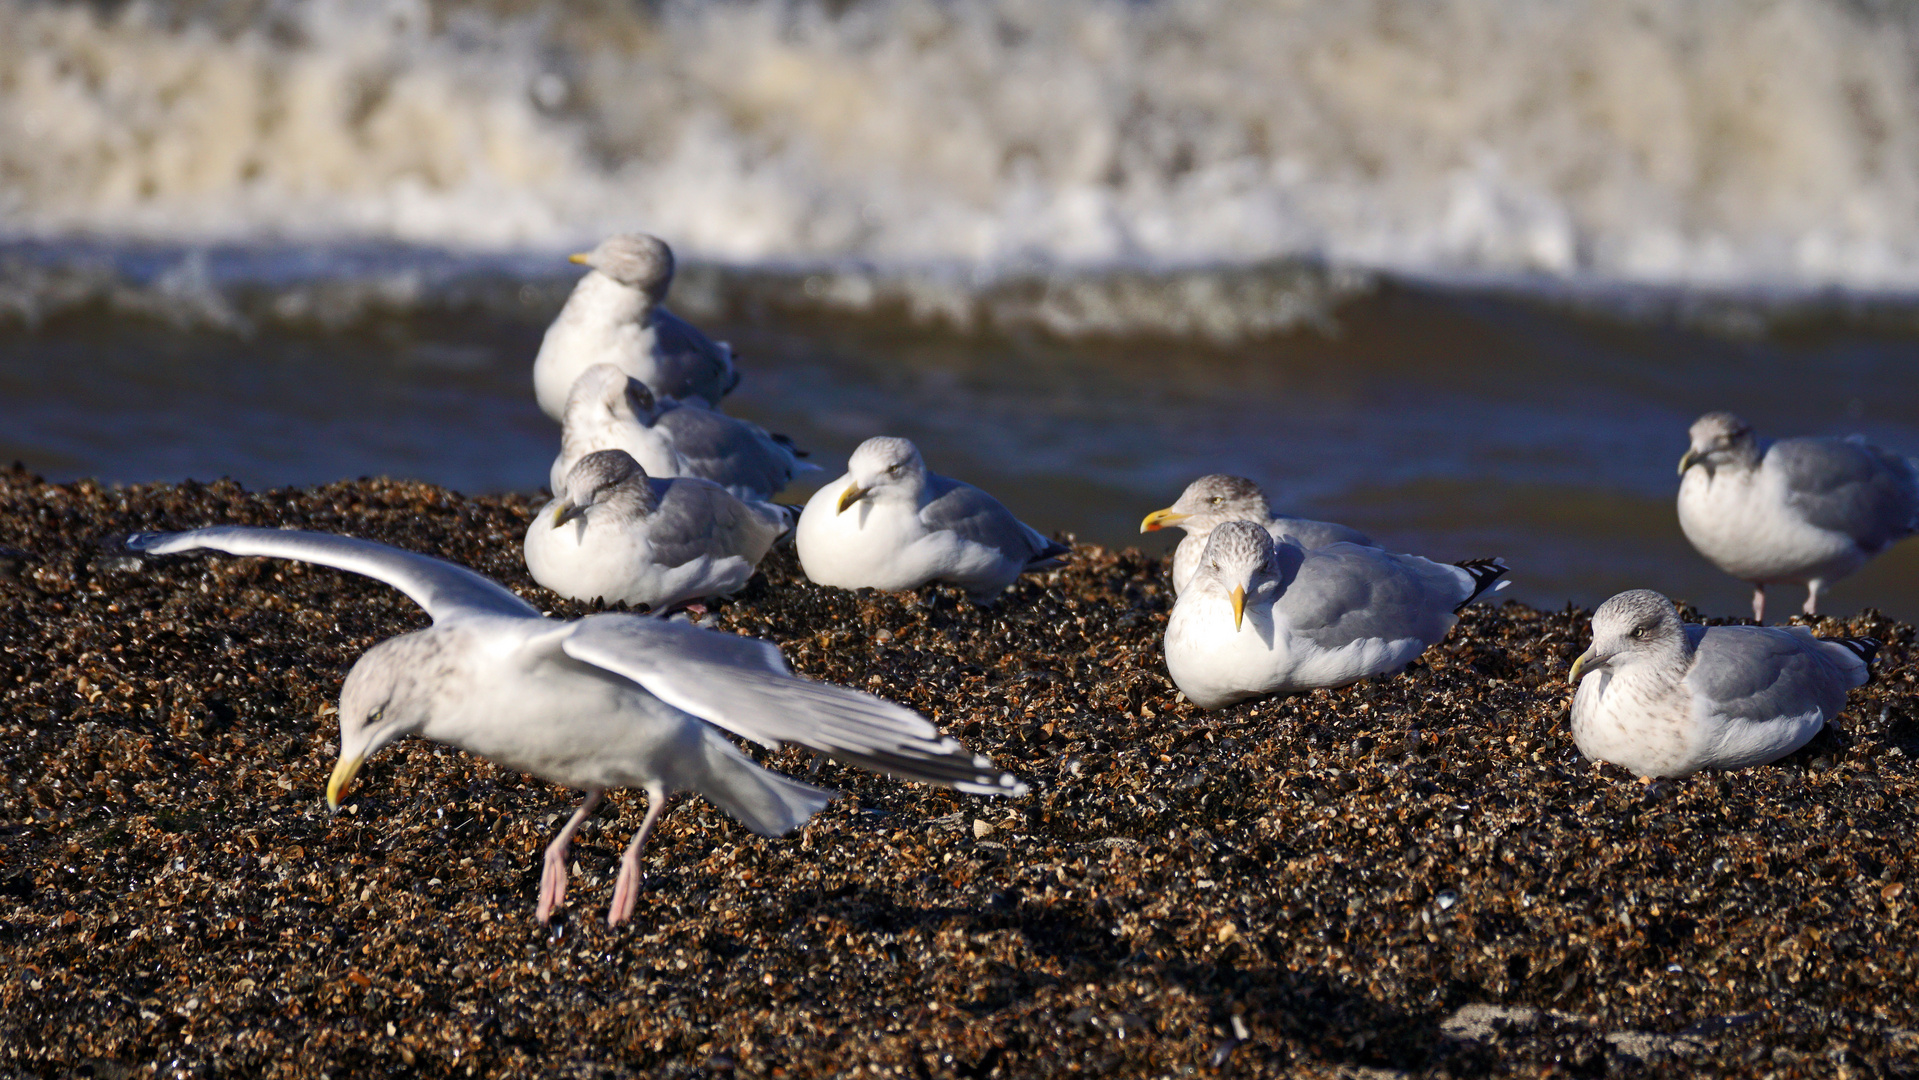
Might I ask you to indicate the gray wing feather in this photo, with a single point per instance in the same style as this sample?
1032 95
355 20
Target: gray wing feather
1849 487
1311 534
708 364
974 515
730 452
1758 674
444 589
1346 592
743 685
698 519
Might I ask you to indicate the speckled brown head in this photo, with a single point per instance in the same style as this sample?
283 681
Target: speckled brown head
1720 439
604 477
1635 624
1210 500
633 259
1239 559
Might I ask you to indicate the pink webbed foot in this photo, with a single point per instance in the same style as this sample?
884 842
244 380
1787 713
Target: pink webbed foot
626 891
553 868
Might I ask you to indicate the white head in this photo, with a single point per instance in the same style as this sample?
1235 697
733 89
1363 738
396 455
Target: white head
1720 439
604 394
1237 560
1210 500
604 477
1637 624
388 694
884 467
635 260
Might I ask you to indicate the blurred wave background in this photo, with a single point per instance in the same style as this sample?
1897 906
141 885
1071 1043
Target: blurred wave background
1458 272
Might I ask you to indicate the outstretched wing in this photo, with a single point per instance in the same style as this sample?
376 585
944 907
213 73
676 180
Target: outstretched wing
444 589
743 685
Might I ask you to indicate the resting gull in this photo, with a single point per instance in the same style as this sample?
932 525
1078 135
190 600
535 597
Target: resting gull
1668 698
1796 511
611 700
890 523
1271 617
615 317
614 533
1212 500
609 410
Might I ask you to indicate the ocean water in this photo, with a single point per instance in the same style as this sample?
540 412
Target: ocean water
1457 273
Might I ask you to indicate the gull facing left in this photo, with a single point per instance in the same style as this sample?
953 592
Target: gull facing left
611 700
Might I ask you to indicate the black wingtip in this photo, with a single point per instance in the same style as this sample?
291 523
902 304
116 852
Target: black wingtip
1051 557
1864 648
1486 574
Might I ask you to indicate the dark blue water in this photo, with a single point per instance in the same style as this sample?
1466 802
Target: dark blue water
1450 421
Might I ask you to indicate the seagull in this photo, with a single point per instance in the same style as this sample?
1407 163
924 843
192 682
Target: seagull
1796 511
613 533
610 410
1668 698
611 700
890 523
1211 500
1264 617
615 317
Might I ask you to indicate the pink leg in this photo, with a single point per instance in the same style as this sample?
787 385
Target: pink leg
553 876
1759 603
626 891
1812 595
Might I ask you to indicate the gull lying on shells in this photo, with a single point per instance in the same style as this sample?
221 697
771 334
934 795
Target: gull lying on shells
1210 501
615 317
1796 511
1271 617
1668 698
614 533
611 700
890 523
609 410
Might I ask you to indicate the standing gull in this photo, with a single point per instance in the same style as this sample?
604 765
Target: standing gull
890 523
1263 617
615 317
1669 698
609 410
1210 501
610 700
614 533
1797 511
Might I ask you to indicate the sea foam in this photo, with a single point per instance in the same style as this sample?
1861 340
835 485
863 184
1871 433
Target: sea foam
1711 143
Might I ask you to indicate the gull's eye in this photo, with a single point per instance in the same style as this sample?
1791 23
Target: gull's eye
1218 500
374 716
1639 632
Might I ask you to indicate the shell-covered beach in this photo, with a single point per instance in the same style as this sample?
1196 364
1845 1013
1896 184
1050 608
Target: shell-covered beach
1417 876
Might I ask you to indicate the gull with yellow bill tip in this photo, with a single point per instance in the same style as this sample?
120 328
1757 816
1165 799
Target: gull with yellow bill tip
1792 512
614 533
1267 617
1664 697
616 315
1213 500
611 700
891 523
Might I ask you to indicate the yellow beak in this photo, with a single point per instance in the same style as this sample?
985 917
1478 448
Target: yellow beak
1691 458
565 512
1239 605
581 258
853 493
1579 667
343 774
1159 519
